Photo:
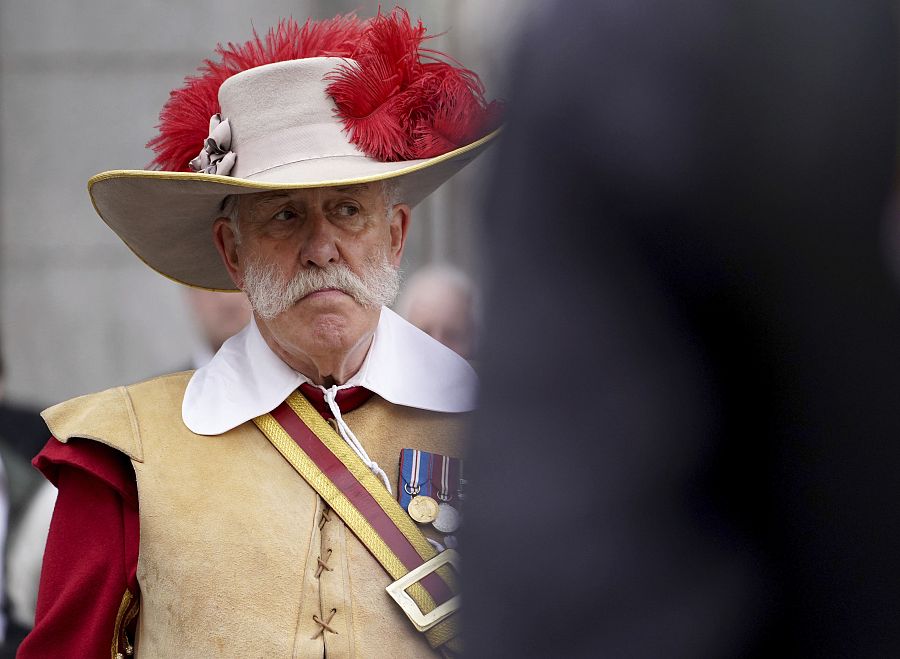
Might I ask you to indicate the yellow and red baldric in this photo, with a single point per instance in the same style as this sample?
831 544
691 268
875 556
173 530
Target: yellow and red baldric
424 586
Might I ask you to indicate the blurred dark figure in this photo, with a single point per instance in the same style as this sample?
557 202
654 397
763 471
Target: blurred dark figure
689 443
22 430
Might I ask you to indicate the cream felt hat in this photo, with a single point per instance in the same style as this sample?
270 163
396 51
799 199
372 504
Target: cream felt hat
279 128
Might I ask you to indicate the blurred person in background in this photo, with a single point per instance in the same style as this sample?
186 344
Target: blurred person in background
217 315
22 433
4 536
440 301
24 558
22 430
689 435
257 506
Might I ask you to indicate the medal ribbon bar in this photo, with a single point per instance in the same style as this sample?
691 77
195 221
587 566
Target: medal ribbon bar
415 475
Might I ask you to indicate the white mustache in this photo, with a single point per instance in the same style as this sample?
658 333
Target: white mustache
270 295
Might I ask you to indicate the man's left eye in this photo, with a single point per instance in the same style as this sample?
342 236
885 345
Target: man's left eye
347 210
284 215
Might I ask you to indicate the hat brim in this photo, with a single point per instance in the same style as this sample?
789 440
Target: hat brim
166 218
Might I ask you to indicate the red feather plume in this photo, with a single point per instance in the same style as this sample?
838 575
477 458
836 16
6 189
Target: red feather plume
401 101
398 101
184 120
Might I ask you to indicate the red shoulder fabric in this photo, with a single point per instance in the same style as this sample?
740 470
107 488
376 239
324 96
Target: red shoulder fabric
91 554
105 463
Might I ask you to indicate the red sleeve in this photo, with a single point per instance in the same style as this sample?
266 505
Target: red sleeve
91 554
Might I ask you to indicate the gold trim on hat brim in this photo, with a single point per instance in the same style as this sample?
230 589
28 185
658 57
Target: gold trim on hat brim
147 209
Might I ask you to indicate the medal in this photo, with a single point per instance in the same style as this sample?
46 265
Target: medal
444 491
431 489
447 520
423 509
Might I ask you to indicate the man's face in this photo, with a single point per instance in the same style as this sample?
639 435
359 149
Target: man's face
316 263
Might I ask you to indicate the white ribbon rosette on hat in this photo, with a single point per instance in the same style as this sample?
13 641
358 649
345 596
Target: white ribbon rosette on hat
216 156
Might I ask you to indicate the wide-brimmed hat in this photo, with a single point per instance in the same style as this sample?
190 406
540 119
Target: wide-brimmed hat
308 122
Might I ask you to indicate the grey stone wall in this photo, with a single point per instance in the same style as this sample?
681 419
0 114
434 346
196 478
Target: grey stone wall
81 85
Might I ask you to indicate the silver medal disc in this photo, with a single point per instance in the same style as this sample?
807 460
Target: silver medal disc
447 518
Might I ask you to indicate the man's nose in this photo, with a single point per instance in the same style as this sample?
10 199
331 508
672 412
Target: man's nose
319 243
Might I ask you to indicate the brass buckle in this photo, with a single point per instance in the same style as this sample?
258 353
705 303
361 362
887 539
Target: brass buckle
397 590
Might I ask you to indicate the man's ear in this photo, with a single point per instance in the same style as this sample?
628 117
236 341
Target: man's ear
226 243
400 218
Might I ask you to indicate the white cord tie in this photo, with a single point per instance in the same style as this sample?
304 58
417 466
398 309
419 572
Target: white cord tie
350 438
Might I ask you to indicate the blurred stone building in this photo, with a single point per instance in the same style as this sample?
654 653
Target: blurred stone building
81 85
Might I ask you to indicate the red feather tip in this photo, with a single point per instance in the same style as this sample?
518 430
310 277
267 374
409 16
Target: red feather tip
404 102
184 120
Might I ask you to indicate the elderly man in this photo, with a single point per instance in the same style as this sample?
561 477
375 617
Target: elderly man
294 496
